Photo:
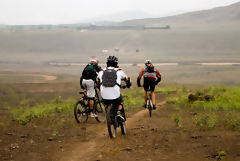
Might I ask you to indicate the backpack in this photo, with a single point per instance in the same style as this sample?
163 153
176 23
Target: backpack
109 78
150 69
89 72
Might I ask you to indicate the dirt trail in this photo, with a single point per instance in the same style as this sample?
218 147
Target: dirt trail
83 151
37 78
46 77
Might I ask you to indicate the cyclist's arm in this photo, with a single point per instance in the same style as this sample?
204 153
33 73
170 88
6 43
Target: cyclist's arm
159 78
98 69
139 78
81 79
126 79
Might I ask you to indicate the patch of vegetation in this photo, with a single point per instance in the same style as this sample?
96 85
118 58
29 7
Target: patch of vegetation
55 133
133 98
206 121
177 119
31 94
225 98
25 114
222 153
171 90
233 121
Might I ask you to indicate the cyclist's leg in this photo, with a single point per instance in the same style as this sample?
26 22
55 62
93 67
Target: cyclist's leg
152 88
90 94
153 97
91 104
120 109
146 87
145 97
118 102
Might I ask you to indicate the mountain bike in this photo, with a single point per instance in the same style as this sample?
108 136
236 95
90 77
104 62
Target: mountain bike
112 120
149 103
82 110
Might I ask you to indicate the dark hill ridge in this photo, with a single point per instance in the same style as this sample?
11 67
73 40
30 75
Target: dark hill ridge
227 14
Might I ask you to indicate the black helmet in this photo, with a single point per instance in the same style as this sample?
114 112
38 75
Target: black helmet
112 59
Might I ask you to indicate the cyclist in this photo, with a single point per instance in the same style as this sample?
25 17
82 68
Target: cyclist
151 78
88 79
110 80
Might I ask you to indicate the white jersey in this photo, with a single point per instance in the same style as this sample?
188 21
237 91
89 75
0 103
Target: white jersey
110 93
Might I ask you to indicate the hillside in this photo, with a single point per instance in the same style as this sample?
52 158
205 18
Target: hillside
203 36
227 14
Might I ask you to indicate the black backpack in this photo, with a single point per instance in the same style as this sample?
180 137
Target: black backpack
109 78
89 72
150 69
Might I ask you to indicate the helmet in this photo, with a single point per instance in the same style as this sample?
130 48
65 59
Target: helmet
148 61
113 59
93 59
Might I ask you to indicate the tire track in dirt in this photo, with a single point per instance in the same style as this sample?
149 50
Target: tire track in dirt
83 151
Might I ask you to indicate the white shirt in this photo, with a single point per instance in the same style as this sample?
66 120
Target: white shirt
110 93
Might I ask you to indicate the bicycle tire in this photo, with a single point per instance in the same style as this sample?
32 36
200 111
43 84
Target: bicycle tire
112 131
81 116
99 111
123 128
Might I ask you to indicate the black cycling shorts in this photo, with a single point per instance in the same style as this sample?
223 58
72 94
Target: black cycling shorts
149 84
115 102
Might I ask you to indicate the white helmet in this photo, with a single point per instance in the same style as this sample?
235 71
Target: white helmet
148 61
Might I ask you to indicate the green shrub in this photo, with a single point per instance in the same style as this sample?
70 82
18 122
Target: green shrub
177 119
233 121
206 121
222 153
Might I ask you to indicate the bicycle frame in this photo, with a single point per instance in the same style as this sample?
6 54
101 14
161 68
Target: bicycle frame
149 103
82 109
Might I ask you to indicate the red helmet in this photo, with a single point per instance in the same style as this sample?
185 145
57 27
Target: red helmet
93 59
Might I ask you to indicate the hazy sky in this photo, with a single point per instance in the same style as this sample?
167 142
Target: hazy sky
73 11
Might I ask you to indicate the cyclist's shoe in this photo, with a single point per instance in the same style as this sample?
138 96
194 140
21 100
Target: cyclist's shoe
154 107
93 115
145 106
120 116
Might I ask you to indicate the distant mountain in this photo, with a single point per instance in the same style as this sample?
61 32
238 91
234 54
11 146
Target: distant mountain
228 14
2 25
117 17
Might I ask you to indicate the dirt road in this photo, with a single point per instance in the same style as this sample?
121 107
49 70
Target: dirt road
86 150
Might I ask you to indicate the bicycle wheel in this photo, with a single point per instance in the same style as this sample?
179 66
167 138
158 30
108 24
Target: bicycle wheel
123 128
112 131
99 111
80 112
150 108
